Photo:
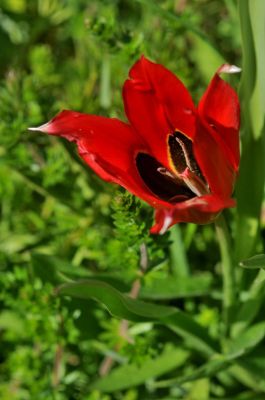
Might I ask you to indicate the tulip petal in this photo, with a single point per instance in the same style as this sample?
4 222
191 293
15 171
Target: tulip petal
157 104
200 210
108 146
213 162
180 160
219 107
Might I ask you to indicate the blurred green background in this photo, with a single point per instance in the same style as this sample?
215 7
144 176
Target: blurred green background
60 222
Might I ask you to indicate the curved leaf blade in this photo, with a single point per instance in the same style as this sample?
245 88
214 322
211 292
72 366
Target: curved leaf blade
257 261
118 304
128 376
122 306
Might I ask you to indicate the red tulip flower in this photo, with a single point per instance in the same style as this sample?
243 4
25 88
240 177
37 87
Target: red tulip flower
181 159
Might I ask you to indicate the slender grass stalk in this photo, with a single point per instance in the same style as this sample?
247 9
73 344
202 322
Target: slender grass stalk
179 262
105 90
229 283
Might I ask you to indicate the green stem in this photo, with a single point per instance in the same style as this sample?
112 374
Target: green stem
229 288
105 90
179 262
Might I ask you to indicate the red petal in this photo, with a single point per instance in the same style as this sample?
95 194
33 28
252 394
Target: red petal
200 210
108 146
219 106
156 104
213 162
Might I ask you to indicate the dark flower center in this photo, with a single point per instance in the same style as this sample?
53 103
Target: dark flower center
181 153
165 184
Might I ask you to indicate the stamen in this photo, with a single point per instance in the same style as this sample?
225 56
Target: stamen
194 183
165 172
160 181
186 155
192 187
182 156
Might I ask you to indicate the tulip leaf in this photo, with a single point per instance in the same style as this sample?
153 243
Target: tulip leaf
257 261
248 339
250 373
247 313
117 303
210 368
203 50
132 375
249 196
236 352
248 68
251 306
171 287
257 101
122 306
196 335
252 166
236 349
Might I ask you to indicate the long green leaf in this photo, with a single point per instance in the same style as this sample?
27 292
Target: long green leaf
248 376
128 376
254 262
250 185
257 101
172 287
122 306
203 50
247 340
117 303
207 370
236 349
249 309
196 336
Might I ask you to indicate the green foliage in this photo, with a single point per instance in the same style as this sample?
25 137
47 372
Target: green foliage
68 239
252 16
257 261
132 375
132 220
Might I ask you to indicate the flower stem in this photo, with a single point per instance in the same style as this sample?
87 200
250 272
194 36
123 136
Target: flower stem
179 262
229 288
